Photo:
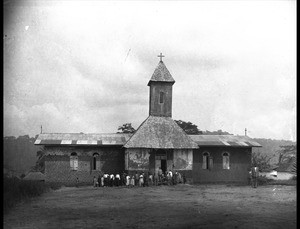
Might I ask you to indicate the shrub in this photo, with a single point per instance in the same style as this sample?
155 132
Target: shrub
16 190
293 178
54 185
289 182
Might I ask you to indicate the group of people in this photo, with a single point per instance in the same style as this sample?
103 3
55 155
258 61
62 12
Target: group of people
139 179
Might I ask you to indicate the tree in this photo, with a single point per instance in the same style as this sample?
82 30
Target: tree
262 161
288 157
40 163
218 132
126 128
287 153
188 127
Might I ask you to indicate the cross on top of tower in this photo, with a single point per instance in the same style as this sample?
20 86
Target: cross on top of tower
161 56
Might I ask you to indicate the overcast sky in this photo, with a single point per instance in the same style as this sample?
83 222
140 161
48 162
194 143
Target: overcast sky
78 66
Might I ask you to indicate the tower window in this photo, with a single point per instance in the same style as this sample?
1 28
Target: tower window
161 97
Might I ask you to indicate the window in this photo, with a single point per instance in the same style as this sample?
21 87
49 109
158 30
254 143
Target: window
206 161
74 161
226 160
161 97
210 166
96 161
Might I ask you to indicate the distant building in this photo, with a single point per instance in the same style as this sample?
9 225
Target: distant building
35 176
158 142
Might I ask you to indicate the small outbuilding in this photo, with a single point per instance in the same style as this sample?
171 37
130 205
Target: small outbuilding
35 176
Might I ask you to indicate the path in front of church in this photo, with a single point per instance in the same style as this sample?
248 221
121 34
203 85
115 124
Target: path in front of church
180 206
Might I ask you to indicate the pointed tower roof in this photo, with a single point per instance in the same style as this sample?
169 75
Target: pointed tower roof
161 74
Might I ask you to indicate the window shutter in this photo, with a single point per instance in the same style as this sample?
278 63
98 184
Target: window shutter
76 163
204 165
72 162
210 162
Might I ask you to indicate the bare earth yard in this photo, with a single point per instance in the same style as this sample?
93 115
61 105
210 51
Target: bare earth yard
181 206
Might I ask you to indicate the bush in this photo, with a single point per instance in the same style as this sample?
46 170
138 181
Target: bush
16 190
54 185
294 178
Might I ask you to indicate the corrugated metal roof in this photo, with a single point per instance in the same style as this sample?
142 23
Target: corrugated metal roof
154 132
224 140
161 74
82 139
160 133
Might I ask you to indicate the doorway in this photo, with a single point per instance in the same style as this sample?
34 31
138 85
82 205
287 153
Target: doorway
163 165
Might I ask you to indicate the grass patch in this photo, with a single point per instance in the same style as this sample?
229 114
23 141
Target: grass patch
263 180
290 182
16 191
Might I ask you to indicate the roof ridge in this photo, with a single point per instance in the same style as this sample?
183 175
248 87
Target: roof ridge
136 130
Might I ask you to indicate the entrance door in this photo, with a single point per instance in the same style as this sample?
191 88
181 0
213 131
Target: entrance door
164 165
161 160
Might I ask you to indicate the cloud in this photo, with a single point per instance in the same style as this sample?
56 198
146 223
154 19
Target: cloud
69 72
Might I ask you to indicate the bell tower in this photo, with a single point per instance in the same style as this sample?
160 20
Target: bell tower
161 83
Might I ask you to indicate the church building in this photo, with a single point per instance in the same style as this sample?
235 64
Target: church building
158 142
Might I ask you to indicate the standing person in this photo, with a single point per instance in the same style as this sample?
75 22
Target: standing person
150 179
156 178
123 179
159 174
99 180
146 181
117 180
132 181
77 182
136 176
170 173
127 180
255 174
95 181
184 178
112 180
105 180
162 179
168 178
175 178
179 178
141 180
102 181
249 177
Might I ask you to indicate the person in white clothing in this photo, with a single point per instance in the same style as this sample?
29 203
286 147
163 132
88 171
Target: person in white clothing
127 180
141 180
170 173
132 183
106 180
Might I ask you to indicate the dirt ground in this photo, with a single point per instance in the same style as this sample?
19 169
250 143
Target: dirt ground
180 206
